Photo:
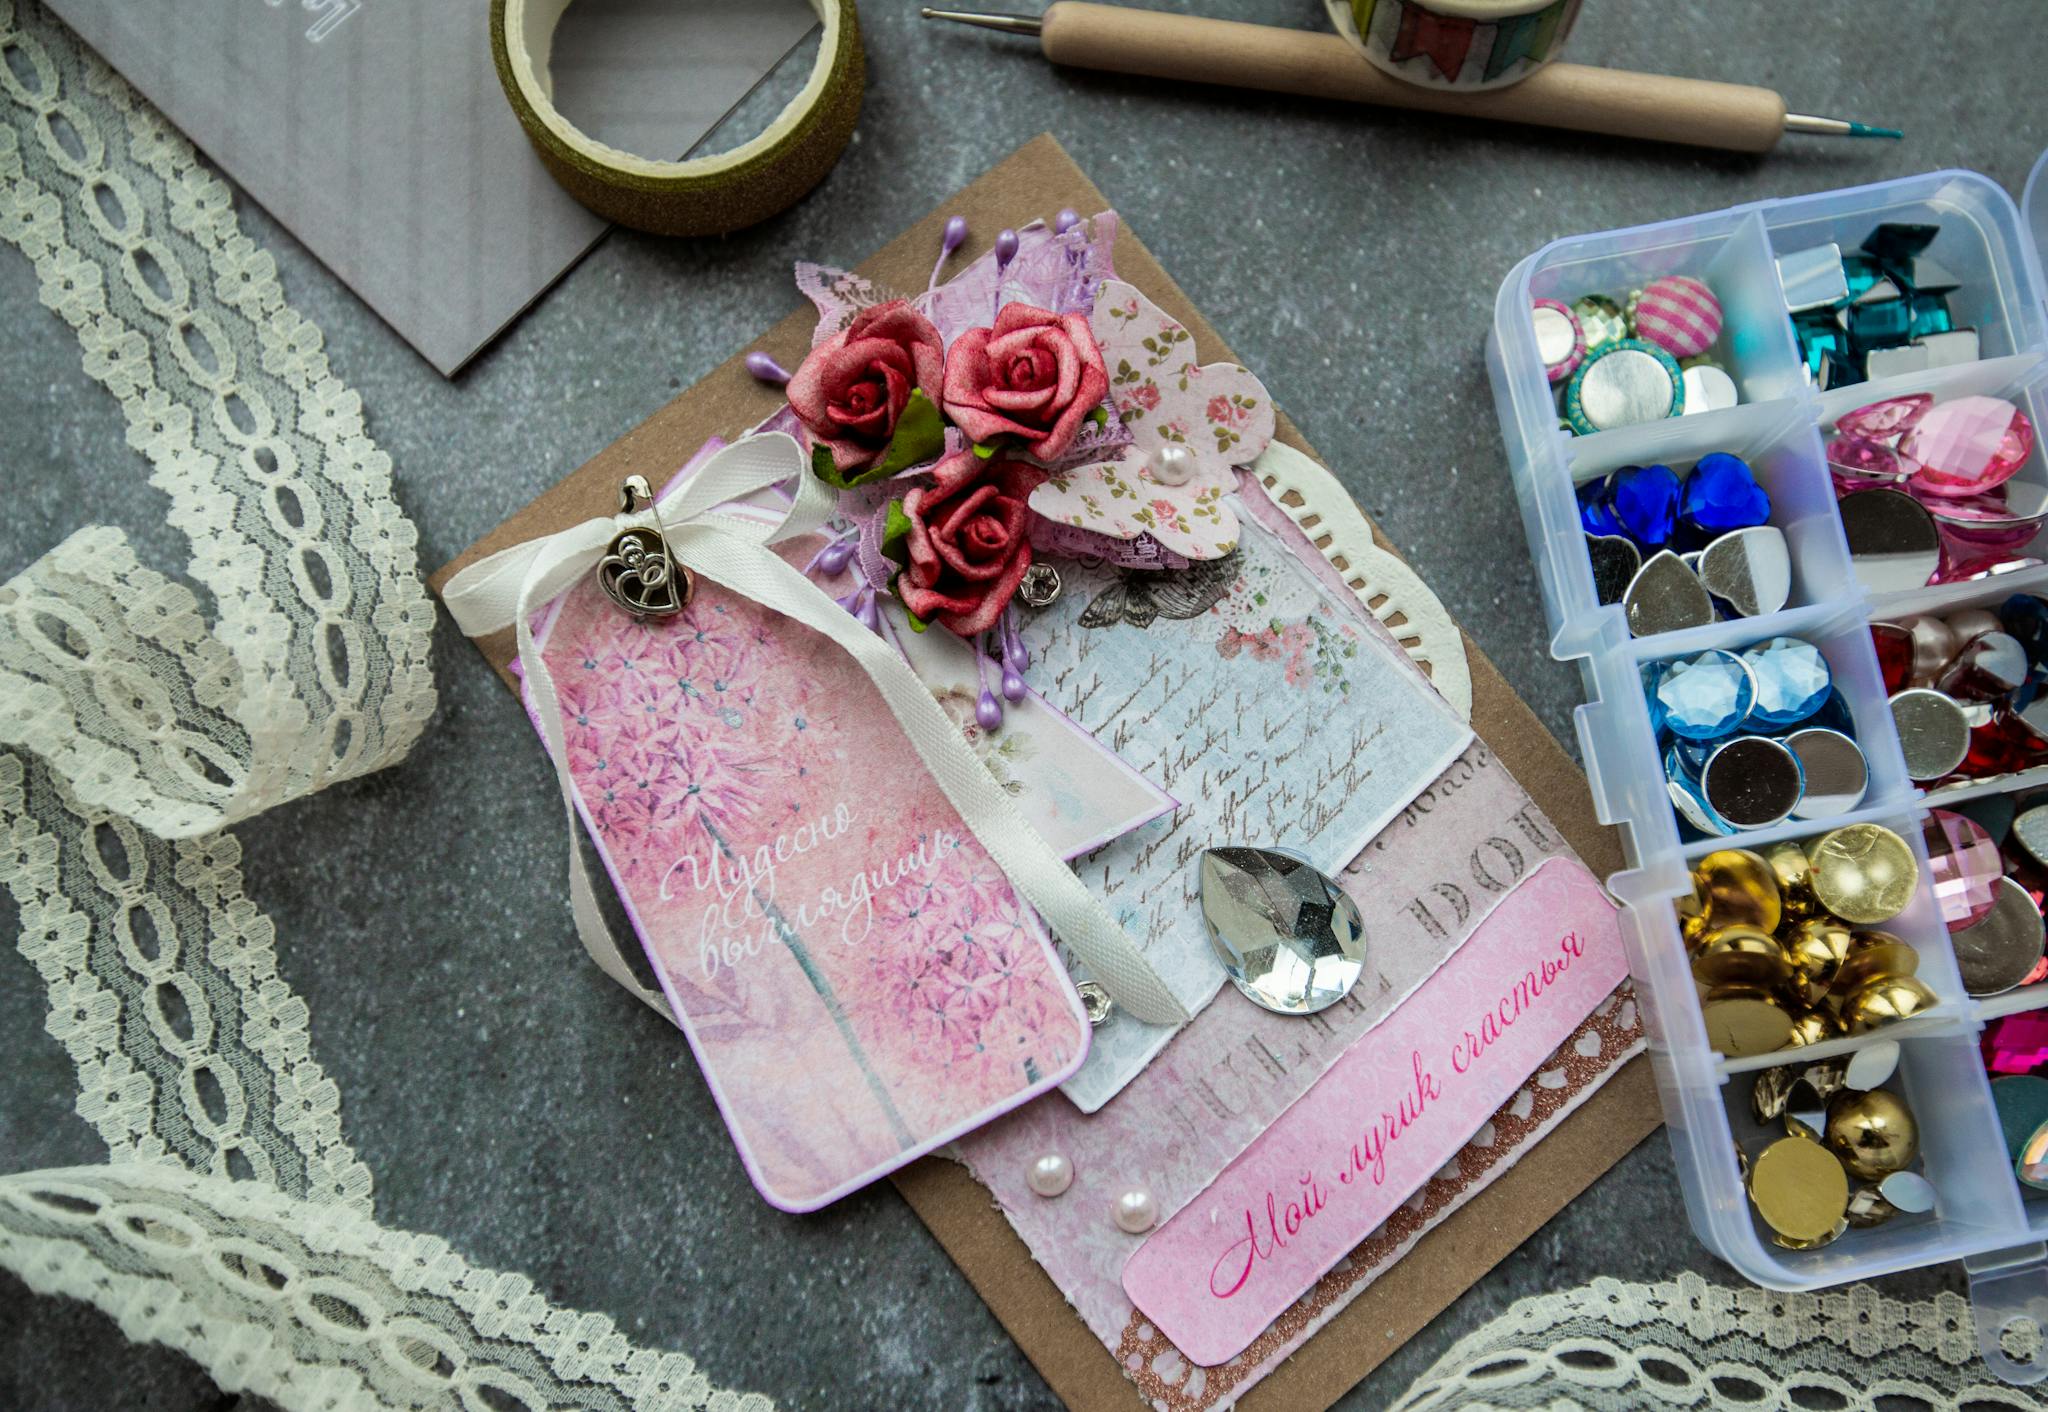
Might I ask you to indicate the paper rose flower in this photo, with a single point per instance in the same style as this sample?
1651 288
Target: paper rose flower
1190 426
967 542
1035 375
868 394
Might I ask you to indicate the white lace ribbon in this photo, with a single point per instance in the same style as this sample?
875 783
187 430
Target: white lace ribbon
506 589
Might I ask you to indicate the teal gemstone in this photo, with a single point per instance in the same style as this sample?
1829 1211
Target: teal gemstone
1819 335
1898 242
1862 272
1881 323
1792 681
1706 697
1930 315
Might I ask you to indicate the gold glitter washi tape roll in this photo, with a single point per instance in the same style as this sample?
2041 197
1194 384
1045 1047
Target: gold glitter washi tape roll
702 195
1463 44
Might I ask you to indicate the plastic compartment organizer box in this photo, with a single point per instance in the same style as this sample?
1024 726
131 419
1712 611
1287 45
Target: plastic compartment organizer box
1983 1215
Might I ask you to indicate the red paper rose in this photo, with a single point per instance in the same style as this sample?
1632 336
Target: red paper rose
853 388
968 541
1036 376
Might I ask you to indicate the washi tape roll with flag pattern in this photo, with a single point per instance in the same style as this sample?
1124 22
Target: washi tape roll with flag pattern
1463 44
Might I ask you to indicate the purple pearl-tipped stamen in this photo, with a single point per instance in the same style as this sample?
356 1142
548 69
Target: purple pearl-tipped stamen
956 231
1014 655
1006 249
870 615
766 368
1066 220
834 558
1013 687
988 710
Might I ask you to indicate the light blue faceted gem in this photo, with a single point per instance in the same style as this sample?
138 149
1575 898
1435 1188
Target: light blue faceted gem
1706 697
1653 673
1695 819
1792 681
1687 759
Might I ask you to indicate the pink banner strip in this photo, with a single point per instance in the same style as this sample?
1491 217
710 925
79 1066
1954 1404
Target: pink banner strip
1389 1113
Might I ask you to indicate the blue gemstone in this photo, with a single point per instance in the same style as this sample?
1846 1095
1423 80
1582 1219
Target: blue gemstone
1792 681
1721 494
1652 673
1644 500
1594 516
1685 759
1832 714
1695 820
2026 618
1707 696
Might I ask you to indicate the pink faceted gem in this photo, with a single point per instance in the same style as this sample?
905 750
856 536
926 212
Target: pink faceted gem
2016 1044
1965 865
1858 463
1968 445
1881 421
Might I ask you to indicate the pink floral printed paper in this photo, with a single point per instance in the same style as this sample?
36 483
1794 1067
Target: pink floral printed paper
1212 417
855 975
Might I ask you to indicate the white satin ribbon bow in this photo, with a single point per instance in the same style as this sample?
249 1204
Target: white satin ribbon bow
507 588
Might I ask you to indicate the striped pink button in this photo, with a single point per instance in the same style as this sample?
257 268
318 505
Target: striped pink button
1679 314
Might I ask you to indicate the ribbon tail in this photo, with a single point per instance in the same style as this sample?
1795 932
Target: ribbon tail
596 933
1038 875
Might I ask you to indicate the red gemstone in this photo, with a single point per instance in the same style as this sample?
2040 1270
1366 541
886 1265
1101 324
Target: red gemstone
2001 745
2016 1044
1894 656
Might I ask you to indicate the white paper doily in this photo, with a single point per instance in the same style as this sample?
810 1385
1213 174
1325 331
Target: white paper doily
1390 590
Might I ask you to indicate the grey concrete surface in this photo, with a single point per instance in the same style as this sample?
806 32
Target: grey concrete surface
511 1099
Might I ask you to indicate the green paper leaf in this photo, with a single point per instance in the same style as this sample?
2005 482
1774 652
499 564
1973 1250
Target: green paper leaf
896 534
984 449
1100 416
920 437
917 624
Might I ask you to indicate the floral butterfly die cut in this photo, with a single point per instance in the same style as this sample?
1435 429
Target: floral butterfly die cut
1190 424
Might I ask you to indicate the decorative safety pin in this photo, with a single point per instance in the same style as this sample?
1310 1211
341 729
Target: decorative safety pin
638 573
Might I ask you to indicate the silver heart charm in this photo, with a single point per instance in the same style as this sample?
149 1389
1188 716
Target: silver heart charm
1749 569
1665 596
1287 936
637 572
1615 561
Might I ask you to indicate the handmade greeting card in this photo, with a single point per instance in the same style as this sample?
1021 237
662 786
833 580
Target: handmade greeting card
974 620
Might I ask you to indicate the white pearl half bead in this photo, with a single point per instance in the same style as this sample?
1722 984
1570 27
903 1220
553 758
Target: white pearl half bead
1136 1212
1050 1175
1172 465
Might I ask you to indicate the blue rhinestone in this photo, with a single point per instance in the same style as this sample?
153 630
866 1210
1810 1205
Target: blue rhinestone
1792 681
1707 696
1652 673
2026 618
1594 516
1644 500
1687 758
1721 494
1695 820
1832 714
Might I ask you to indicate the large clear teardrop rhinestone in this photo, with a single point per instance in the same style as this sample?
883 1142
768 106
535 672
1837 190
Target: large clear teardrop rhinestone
1287 935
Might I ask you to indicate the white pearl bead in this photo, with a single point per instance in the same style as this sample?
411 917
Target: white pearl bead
1172 465
1136 1211
1050 1175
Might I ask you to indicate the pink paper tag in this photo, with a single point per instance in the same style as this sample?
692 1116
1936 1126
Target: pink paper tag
1398 1104
856 976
